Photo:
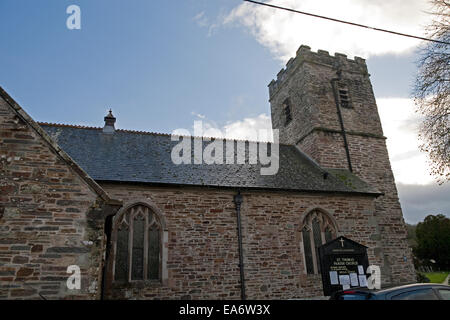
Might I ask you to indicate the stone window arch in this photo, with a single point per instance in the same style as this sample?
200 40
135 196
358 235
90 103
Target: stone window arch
317 228
139 244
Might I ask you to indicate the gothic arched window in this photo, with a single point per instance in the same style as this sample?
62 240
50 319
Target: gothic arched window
137 237
317 229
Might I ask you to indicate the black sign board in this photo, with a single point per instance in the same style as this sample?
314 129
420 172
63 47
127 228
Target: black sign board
343 264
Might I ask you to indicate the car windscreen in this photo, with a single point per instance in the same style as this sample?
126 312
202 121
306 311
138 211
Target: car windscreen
421 294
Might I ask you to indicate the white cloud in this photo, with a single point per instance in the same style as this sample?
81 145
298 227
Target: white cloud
204 22
198 115
201 19
282 32
257 128
244 129
400 126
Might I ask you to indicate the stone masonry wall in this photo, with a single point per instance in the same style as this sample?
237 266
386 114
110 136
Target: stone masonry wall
202 243
306 81
44 225
317 131
370 161
326 148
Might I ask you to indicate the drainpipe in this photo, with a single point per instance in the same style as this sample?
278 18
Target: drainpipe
341 121
108 231
238 199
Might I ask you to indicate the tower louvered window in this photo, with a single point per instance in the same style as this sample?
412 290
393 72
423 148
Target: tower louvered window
344 97
287 112
137 234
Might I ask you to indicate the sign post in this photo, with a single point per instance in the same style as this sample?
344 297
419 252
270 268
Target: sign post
343 264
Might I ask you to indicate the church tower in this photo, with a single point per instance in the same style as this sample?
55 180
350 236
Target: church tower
326 107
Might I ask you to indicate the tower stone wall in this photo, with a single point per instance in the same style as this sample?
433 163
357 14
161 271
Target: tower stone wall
335 121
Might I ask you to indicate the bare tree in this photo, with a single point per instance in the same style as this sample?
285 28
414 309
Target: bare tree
432 92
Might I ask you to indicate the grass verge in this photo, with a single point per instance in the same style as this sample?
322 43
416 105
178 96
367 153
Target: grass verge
437 277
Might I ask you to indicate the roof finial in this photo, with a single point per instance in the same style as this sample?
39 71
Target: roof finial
109 123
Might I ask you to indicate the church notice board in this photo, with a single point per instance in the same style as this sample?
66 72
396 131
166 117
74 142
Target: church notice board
343 264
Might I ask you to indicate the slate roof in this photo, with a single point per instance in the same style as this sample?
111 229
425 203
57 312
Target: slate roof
142 157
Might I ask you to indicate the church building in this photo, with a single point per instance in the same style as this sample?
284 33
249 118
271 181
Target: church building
112 203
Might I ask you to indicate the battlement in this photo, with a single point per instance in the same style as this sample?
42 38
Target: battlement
304 54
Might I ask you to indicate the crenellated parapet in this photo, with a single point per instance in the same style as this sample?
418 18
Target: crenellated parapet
304 54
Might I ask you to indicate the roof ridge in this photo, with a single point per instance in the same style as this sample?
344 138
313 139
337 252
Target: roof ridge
74 126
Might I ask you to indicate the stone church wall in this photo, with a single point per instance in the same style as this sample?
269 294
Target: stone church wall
203 257
44 225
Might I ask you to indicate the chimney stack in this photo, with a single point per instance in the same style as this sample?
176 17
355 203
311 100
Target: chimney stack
109 123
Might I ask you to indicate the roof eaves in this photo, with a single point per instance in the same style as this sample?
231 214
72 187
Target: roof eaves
243 188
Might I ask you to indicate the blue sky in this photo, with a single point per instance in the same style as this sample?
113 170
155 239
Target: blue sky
160 65
147 60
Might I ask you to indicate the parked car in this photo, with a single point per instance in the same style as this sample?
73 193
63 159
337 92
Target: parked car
419 291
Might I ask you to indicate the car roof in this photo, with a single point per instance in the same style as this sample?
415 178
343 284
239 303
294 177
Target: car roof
393 288
414 285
